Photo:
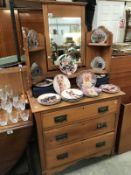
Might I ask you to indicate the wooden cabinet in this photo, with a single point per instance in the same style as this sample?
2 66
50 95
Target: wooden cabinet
68 132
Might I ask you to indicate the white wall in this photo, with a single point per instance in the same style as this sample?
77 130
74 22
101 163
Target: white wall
109 14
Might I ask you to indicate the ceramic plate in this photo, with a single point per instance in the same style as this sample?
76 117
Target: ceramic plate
67 65
98 36
45 83
60 83
91 92
71 94
110 88
98 62
49 99
86 79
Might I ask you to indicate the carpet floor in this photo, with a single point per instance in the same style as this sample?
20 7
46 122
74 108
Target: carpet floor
115 165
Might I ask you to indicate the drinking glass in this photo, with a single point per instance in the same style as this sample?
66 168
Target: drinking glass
24 115
14 116
3 119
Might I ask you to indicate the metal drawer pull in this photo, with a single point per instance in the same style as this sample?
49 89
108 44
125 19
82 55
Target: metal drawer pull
61 137
100 144
62 156
101 125
103 109
60 119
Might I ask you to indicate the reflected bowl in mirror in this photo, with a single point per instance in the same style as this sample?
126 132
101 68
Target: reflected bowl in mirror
110 88
99 35
49 99
86 79
67 64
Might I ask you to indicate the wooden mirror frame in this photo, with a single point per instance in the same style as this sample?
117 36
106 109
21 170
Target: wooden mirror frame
62 9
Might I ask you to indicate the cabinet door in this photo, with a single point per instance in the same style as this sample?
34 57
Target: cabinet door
12 146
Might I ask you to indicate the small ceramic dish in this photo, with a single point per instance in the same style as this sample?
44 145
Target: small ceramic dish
60 83
49 99
72 94
85 79
98 62
91 92
110 88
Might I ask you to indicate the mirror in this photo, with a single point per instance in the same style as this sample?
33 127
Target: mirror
65 38
65 33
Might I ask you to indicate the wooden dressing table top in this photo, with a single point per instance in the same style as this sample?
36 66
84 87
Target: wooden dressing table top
36 107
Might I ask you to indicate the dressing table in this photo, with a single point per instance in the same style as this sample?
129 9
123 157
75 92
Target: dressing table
68 132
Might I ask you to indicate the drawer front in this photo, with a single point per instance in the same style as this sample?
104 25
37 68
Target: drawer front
56 137
66 154
66 116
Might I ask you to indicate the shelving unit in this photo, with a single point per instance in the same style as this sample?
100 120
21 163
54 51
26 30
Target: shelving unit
103 50
34 55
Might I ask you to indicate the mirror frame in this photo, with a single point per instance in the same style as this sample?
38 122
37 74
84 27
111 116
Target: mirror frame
62 9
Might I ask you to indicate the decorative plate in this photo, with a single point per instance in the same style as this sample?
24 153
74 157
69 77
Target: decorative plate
99 35
49 99
32 39
71 94
98 62
86 79
60 83
45 83
110 88
91 92
67 64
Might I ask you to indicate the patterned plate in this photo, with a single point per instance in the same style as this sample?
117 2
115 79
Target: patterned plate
49 99
110 88
91 92
99 35
98 62
60 83
72 94
86 79
67 65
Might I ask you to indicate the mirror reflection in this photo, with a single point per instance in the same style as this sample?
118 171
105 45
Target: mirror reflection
65 38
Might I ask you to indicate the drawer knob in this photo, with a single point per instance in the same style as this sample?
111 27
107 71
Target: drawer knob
62 156
60 119
100 144
101 125
61 137
103 109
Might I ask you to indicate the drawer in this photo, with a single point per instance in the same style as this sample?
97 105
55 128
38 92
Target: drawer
56 137
58 118
66 154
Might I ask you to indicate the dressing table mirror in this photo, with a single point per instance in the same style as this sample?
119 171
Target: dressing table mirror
64 27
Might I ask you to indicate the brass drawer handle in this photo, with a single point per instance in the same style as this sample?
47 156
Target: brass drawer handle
100 144
61 137
62 156
103 109
60 119
101 125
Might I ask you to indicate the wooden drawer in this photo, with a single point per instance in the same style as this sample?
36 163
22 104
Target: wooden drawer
85 148
78 131
78 113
